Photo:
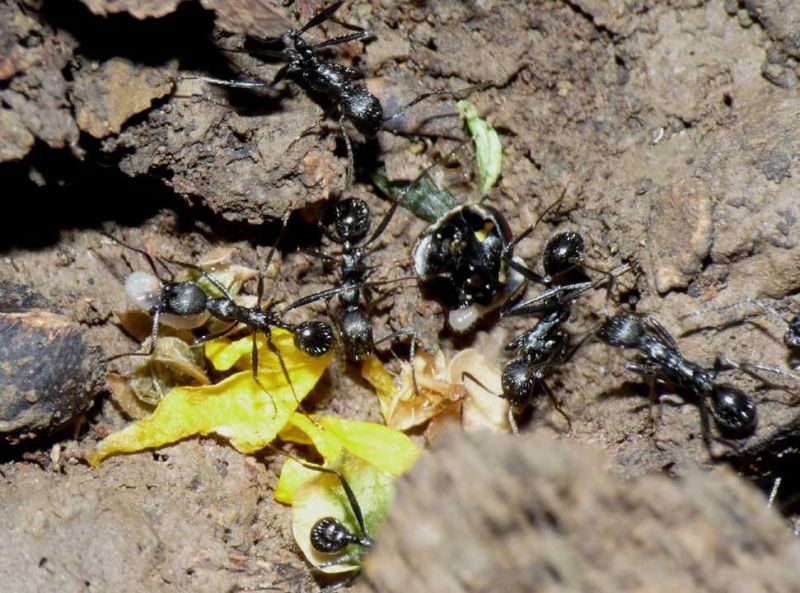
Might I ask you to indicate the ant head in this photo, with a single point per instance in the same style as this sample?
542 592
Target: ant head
352 219
792 336
517 382
734 411
145 290
622 331
329 536
315 338
562 253
184 299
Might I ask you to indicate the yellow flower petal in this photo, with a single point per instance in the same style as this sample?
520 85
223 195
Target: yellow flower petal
237 408
324 496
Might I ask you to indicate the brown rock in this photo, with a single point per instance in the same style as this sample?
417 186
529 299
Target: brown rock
106 97
49 373
499 513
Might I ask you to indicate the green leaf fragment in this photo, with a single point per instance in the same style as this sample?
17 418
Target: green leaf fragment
489 150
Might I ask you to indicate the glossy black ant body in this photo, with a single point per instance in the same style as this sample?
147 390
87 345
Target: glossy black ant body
185 304
546 345
351 225
660 359
329 535
319 75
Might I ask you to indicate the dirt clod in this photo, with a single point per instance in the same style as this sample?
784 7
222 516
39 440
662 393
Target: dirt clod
493 512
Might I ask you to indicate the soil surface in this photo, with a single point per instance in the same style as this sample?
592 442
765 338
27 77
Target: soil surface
672 129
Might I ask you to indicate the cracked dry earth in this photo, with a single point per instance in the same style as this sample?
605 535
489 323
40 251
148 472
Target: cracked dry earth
671 126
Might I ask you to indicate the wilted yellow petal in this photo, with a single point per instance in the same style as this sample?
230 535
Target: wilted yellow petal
324 496
237 408
386 449
402 407
376 374
293 475
483 408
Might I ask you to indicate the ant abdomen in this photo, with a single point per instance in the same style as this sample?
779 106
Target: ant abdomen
329 536
315 338
563 252
734 411
622 331
352 219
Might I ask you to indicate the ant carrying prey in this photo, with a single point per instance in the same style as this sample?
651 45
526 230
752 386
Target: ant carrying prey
185 304
318 75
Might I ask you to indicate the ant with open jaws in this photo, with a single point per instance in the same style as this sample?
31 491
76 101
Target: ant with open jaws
338 84
539 350
351 318
185 304
659 359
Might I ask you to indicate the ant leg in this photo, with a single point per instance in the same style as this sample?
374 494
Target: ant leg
277 353
151 261
200 340
655 402
774 492
235 84
556 404
216 283
723 363
262 272
350 171
254 364
512 420
508 250
454 93
406 331
153 337
322 16
360 34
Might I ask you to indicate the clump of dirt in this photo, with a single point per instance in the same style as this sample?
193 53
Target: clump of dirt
664 124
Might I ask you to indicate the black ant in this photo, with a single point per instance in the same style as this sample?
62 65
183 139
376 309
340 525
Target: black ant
318 75
186 304
546 345
329 535
660 359
351 225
